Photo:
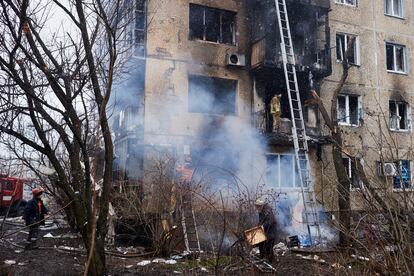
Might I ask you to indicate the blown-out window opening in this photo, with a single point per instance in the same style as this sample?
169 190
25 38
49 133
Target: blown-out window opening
344 47
211 95
349 110
400 116
352 3
351 171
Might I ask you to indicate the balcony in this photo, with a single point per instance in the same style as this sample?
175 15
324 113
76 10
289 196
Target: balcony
310 32
264 124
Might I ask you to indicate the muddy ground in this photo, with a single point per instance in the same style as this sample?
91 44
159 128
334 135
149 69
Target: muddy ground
53 259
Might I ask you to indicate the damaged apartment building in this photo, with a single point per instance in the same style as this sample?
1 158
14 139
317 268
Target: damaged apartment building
201 64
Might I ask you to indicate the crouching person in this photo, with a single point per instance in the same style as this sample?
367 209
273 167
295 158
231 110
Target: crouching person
33 215
268 221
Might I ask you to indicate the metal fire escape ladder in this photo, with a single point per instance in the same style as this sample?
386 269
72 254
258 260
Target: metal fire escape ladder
311 216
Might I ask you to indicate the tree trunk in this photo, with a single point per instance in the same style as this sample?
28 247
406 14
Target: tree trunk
97 266
343 189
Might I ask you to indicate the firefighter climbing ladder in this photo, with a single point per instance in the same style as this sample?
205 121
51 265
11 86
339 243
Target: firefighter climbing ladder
298 126
188 223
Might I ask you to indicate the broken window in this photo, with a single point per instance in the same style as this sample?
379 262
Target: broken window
344 44
282 171
140 28
403 177
211 95
351 171
396 58
347 2
394 7
400 115
211 24
349 110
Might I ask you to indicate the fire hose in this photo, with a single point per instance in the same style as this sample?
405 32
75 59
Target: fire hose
37 222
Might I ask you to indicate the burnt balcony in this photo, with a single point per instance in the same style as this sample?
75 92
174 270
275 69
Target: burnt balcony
309 25
283 136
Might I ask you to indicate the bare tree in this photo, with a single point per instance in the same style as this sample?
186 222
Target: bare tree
372 186
56 80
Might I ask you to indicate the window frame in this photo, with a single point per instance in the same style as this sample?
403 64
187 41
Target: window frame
408 116
399 169
343 2
296 178
351 174
132 29
402 9
347 110
405 58
221 12
357 59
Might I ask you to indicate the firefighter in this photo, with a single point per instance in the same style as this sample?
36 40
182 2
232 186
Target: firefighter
276 111
268 221
34 216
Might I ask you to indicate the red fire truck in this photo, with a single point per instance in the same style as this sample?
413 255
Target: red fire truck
14 194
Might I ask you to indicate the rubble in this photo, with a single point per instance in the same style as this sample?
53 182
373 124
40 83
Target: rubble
337 266
143 263
360 258
10 262
280 249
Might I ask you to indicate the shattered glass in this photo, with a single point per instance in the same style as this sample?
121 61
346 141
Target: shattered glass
353 110
342 109
399 51
390 56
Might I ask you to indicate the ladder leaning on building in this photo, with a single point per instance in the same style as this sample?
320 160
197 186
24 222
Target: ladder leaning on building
298 125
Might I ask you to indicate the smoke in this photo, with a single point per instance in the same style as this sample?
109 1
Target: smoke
235 154
229 155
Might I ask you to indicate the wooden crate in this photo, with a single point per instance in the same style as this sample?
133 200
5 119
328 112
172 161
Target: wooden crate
255 235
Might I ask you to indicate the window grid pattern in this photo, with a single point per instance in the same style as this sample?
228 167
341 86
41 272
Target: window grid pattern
394 8
349 110
213 25
342 44
279 172
396 58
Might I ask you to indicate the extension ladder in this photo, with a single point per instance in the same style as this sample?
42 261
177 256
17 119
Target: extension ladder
188 222
311 217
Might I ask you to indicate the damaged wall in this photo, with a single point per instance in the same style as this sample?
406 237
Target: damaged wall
173 58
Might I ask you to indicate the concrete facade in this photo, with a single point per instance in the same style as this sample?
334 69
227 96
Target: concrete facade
171 57
372 140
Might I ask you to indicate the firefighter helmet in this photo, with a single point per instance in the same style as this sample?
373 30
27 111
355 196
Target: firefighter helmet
37 191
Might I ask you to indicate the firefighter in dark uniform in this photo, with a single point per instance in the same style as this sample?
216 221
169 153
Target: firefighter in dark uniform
268 221
33 215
